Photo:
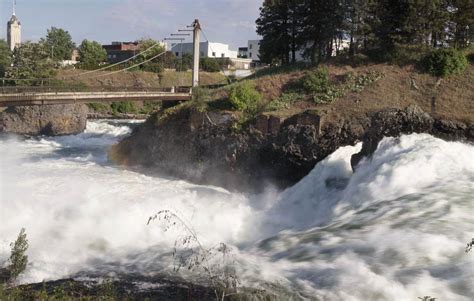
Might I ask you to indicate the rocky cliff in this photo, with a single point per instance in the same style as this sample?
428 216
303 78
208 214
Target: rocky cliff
205 147
51 120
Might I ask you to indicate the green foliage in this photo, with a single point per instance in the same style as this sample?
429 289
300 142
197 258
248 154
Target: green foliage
200 99
357 83
445 61
407 54
149 49
91 55
316 81
5 57
244 97
31 61
284 101
381 28
99 107
184 63
18 257
209 65
149 107
60 43
124 107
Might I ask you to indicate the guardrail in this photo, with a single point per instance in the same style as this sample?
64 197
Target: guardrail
54 89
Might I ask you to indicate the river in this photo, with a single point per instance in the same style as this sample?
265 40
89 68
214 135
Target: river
394 230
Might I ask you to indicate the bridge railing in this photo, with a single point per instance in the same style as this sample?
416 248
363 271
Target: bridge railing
72 89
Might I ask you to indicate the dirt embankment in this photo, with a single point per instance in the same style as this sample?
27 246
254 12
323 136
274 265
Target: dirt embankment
282 147
136 79
450 98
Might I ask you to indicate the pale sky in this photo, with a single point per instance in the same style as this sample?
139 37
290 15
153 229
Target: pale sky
226 21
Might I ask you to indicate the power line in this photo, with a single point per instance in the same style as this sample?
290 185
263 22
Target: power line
87 72
131 67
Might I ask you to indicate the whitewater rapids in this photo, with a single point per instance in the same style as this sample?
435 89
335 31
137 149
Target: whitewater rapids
394 230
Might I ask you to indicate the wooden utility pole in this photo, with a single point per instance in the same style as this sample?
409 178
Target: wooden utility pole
196 52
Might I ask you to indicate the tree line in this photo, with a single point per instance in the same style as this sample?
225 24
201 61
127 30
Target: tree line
42 59
381 29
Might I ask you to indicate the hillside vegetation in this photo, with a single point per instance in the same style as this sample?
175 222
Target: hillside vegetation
341 91
137 79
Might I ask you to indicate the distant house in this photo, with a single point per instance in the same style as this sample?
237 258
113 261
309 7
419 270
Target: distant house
120 51
206 50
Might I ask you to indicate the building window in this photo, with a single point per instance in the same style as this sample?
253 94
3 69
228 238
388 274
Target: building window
202 53
223 55
214 54
177 53
251 46
250 55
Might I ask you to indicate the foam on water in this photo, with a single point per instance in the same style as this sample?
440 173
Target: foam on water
394 230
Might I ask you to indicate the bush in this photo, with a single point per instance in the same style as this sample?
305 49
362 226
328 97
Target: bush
283 102
18 258
210 65
201 96
244 97
123 107
316 82
445 62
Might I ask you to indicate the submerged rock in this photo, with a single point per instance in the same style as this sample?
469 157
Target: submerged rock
50 120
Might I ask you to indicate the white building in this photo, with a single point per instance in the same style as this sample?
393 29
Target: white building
206 49
13 31
253 50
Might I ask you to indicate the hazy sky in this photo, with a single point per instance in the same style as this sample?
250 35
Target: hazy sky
227 21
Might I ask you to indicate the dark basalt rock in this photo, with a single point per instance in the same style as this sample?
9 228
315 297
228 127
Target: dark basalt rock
50 120
205 148
393 123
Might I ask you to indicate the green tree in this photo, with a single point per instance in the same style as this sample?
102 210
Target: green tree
31 61
60 43
462 26
5 57
18 257
91 54
149 49
210 65
184 63
280 25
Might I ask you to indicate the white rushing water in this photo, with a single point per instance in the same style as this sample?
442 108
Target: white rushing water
394 230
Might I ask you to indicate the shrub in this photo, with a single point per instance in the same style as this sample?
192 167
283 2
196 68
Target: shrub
445 62
18 257
470 57
283 102
123 107
98 107
244 97
201 96
210 65
316 82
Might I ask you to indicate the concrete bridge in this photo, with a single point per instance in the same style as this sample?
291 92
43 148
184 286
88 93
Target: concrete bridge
30 96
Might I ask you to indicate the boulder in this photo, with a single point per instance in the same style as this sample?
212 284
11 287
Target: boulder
50 120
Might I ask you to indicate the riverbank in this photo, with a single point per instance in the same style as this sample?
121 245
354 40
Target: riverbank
203 143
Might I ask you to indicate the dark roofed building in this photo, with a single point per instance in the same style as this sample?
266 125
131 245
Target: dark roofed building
120 51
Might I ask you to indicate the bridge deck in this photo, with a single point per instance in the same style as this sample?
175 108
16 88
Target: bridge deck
25 98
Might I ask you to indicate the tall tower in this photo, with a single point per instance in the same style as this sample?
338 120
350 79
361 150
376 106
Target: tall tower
14 30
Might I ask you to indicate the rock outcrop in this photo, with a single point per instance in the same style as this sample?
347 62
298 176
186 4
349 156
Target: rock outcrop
207 148
50 120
